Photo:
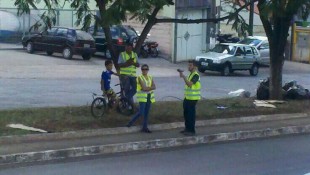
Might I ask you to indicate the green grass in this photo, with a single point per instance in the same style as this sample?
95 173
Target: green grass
79 118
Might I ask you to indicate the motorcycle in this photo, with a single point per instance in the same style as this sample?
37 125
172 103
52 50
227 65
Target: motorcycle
226 38
149 48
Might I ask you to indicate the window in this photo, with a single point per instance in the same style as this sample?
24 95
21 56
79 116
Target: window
265 45
71 33
248 51
61 32
254 51
221 48
251 42
50 31
239 51
81 35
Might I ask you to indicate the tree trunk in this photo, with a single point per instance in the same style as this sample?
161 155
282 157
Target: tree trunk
276 67
146 30
106 28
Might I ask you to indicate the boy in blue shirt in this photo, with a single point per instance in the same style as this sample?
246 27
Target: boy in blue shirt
106 80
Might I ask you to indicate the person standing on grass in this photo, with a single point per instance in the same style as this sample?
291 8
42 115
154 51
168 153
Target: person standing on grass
192 95
128 63
145 97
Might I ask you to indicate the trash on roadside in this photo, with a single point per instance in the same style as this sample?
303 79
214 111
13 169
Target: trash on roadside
291 90
221 107
240 93
21 126
262 103
275 101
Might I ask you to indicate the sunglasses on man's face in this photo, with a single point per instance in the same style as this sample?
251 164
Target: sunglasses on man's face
145 69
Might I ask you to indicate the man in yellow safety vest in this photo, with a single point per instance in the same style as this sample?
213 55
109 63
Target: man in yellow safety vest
192 95
128 63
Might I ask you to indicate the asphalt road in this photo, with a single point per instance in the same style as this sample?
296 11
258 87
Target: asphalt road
273 156
38 80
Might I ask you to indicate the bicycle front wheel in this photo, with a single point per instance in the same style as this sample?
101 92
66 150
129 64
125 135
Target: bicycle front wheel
98 107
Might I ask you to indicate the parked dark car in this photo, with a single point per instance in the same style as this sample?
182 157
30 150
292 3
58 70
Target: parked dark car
63 40
120 35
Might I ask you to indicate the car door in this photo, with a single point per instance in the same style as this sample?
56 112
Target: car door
59 40
264 53
249 58
47 39
237 59
39 40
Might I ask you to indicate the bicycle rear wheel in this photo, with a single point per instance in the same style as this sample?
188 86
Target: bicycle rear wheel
98 107
124 107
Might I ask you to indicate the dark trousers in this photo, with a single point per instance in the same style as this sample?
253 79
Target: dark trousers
189 112
129 84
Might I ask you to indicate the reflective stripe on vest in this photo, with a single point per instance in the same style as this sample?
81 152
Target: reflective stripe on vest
193 93
131 70
142 95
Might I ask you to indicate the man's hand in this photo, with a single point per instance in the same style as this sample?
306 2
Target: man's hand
137 64
130 62
181 75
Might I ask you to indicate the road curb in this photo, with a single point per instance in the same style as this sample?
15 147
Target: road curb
155 127
148 145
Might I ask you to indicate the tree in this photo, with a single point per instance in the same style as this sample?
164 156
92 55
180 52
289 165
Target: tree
276 16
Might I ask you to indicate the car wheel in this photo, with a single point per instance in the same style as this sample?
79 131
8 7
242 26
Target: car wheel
67 53
49 52
86 56
254 69
226 70
30 47
154 52
107 54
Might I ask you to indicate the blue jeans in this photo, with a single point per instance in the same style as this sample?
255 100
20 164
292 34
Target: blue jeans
129 85
144 108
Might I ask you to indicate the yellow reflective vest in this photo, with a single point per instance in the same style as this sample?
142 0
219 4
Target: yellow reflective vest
131 70
142 95
193 93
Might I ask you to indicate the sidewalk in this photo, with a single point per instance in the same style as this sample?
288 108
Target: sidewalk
11 46
42 147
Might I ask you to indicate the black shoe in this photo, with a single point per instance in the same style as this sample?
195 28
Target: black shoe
146 130
183 131
188 133
128 125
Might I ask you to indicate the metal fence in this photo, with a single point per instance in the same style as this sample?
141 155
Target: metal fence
13 27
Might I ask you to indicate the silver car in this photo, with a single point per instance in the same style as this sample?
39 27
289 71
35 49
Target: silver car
229 57
262 45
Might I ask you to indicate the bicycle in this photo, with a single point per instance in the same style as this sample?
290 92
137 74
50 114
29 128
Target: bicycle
101 103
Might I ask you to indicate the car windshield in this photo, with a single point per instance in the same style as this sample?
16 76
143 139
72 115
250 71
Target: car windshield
131 32
81 35
221 48
251 42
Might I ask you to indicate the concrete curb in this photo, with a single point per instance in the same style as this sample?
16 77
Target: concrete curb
150 144
156 127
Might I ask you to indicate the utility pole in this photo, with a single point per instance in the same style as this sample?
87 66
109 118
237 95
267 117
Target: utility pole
251 18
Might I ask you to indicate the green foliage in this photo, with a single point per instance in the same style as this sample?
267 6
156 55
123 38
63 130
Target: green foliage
305 11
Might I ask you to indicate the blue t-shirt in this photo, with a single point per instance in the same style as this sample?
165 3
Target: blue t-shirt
106 77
